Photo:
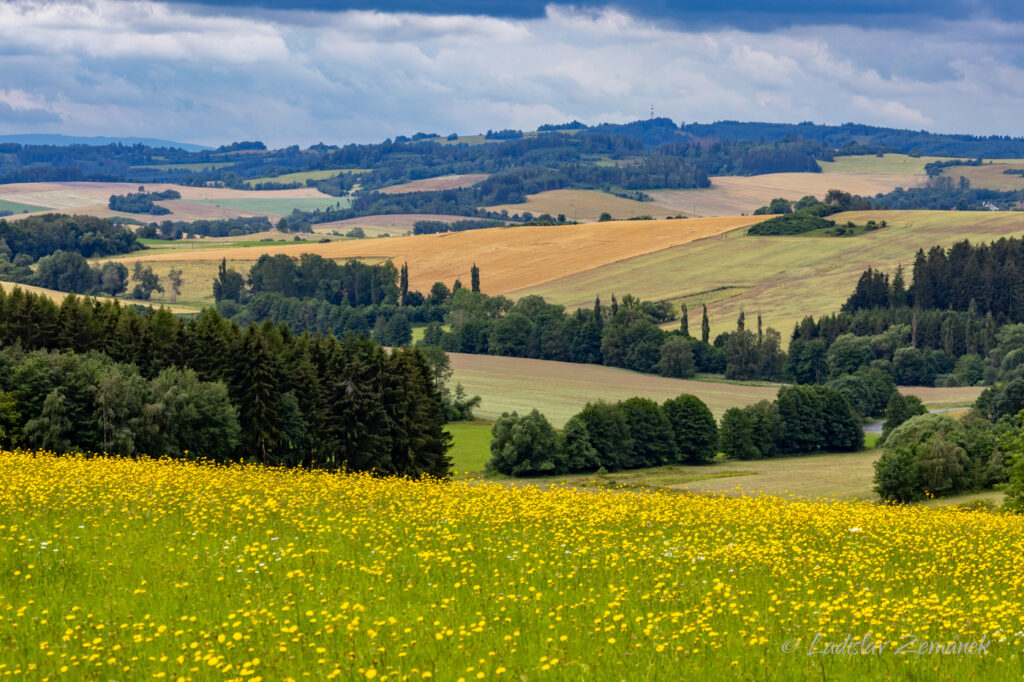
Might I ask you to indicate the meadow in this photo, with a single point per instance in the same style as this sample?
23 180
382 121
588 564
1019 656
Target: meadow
18 207
130 569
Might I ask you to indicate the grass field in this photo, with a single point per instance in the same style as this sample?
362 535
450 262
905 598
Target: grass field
18 207
279 207
561 389
133 569
783 277
471 446
436 184
508 259
586 204
895 164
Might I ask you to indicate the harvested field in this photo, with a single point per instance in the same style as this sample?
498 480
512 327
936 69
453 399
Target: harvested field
509 258
587 204
90 198
302 176
989 176
436 184
393 224
731 195
785 278
59 296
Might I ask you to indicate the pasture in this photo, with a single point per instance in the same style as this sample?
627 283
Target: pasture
134 569
435 184
18 207
561 389
785 278
509 259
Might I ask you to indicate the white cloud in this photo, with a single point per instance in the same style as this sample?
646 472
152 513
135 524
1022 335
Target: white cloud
124 67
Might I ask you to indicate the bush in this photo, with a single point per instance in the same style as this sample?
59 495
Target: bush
525 446
924 455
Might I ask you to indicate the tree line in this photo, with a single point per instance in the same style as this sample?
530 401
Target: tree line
639 433
304 400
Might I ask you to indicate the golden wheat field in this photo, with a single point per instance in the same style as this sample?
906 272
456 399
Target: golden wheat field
508 259
146 569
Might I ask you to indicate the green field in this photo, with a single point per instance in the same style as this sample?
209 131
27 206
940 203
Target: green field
840 476
785 278
16 207
188 166
888 163
306 175
561 389
160 569
471 446
280 207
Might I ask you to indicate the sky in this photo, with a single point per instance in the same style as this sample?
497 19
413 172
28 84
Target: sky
338 71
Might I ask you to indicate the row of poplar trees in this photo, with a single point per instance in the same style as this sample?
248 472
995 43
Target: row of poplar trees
313 401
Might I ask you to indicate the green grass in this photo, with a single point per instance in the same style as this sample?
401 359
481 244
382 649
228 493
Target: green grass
141 569
471 446
281 207
785 278
188 166
17 207
302 176
888 163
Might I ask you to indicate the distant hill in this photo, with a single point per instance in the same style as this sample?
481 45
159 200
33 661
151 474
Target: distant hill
68 140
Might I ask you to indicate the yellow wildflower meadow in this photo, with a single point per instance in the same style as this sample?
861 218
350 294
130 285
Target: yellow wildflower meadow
140 569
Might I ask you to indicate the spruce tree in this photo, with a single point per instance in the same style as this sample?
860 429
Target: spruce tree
257 394
403 284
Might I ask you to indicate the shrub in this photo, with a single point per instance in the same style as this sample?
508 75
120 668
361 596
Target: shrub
525 446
